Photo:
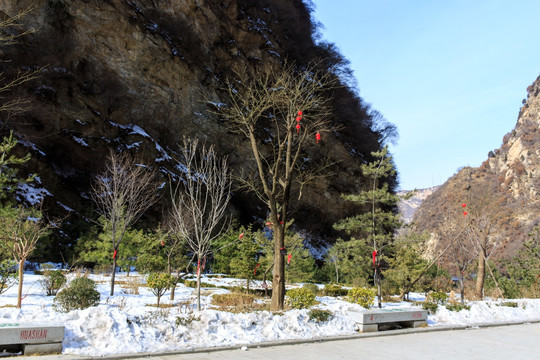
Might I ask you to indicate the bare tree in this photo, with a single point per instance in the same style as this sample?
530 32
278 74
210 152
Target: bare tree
122 193
21 230
200 201
10 33
486 209
462 250
282 111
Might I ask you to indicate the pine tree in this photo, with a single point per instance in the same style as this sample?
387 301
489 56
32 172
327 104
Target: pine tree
375 227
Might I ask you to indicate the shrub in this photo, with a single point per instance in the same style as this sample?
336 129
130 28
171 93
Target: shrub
8 274
52 281
509 304
334 290
312 287
158 283
320 315
439 297
431 307
300 298
80 294
361 296
233 300
457 307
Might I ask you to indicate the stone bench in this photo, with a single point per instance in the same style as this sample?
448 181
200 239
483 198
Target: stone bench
31 338
385 319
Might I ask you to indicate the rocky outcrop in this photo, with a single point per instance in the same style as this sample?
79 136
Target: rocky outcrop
139 75
509 179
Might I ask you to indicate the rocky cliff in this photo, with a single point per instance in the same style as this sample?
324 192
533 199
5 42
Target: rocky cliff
506 186
139 75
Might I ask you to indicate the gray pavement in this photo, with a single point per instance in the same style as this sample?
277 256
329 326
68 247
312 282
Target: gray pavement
492 342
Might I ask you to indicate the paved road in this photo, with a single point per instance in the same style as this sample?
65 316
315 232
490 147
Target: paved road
504 342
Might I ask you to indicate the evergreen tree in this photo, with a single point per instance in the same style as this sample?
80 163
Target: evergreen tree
375 227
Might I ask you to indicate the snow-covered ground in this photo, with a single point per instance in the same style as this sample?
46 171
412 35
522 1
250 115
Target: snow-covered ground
129 323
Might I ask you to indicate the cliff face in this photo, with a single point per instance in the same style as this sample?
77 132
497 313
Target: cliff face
506 186
140 75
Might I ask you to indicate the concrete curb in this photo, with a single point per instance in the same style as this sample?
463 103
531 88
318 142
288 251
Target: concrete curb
292 342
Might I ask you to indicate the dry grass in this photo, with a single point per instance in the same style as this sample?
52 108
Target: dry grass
239 302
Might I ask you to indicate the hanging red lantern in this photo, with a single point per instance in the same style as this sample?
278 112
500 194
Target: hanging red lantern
114 254
463 205
298 118
465 213
297 128
289 258
241 235
300 113
374 254
317 137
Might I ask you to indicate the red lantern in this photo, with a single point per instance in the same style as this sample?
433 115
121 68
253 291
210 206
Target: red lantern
374 254
289 258
241 235
465 213
162 243
114 255
463 205
297 128
298 118
317 137
300 113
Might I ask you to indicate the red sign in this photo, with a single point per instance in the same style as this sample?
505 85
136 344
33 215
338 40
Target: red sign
33 334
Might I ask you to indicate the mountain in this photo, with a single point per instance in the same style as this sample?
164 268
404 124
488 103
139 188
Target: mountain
137 76
408 206
505 189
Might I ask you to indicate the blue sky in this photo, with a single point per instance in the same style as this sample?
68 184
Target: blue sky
450 74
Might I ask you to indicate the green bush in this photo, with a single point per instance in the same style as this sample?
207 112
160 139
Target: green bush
509 304
312 287
300 298
8 274
334 290
361 296
439 297
80 294
457 307
320 315
431 307
52 281
159 283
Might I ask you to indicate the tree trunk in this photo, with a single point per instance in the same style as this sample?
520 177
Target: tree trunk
113 275
462 289
173 287
21 275
199 284
278 281
379 289
481 274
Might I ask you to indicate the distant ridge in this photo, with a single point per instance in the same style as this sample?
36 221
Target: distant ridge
408 207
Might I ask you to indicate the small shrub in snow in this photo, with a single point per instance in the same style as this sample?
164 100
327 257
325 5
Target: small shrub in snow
334 290
186 320
320 315
431 307
80 294
300 298
361 296
159 283
509 304
52 281
457 307
438 297
233 300
312 287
